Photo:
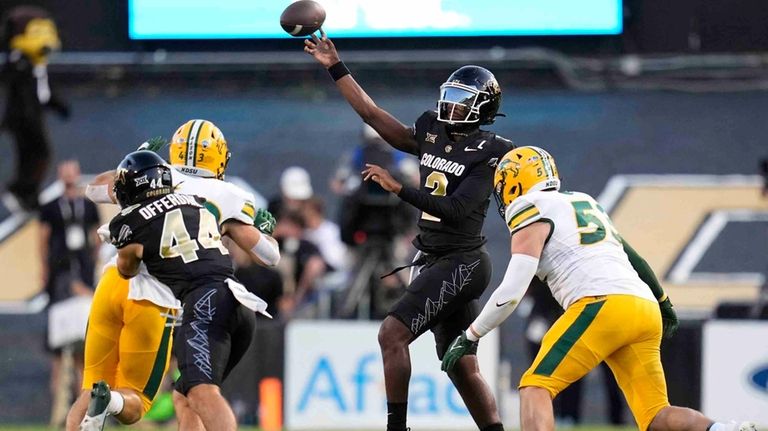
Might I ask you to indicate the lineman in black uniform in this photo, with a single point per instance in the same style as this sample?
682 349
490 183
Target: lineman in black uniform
457 162
179 241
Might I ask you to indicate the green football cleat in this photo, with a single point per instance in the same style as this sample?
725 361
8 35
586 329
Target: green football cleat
97 409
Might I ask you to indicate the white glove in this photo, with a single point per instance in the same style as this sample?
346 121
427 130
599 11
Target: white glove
104 234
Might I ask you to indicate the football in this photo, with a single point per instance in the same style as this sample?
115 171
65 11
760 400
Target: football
302 18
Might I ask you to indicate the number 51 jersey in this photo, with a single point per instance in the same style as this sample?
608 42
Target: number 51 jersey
181 239
584 254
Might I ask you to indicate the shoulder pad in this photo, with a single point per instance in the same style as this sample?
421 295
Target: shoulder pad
521 213
504 141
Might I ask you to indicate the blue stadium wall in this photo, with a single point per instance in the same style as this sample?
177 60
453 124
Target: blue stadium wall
593 136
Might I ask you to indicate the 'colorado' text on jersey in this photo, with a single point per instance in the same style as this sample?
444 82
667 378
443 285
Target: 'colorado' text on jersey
181 239
460 175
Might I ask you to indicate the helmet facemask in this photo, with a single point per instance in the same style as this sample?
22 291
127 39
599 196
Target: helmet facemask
502 188
460 104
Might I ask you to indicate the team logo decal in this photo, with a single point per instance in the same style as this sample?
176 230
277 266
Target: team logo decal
686 232
430 138
141 180
125 233
448 148
759 378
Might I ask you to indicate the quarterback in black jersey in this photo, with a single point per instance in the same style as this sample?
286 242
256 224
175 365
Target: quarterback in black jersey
457 163
179 241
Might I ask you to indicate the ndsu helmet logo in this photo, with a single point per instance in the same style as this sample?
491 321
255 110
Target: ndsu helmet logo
759 378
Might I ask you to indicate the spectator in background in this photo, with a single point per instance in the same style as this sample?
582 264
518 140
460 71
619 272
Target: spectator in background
68 248
301 264
324 234
263 281
29 36
375 225
372 149
295 188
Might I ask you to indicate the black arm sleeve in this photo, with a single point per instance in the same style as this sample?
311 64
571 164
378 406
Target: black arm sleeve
472 192
644 271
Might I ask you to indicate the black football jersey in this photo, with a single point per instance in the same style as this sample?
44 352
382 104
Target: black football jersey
456 183
181 239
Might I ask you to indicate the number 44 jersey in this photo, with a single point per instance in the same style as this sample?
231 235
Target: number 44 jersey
584 254
181 239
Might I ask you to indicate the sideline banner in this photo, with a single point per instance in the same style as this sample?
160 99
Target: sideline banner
735 370
334 379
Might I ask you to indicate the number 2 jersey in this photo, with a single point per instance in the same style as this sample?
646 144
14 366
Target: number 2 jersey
181 239
456 183
584 255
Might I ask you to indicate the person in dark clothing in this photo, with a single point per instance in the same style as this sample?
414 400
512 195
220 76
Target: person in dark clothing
68 246
68 238
179 240
301 265
262 281
457 162
30 36
295 189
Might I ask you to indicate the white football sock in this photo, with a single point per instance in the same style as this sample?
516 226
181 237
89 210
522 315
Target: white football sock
116 403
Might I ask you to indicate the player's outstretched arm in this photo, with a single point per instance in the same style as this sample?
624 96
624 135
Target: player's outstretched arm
262 248
389 128
527 245
128 260
471 193
646 274
100 189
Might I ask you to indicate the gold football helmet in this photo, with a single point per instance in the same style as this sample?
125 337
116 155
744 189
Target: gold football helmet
198 148
39 39
523 170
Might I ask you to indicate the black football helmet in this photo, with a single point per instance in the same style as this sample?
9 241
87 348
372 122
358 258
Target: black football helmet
470 95
140 176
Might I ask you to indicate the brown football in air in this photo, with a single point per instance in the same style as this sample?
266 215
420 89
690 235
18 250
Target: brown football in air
302 18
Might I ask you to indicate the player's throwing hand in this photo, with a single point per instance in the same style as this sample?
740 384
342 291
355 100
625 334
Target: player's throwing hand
382 177
322 49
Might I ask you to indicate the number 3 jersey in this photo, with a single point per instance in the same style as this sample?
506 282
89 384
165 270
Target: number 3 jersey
584 255
181 239
456 182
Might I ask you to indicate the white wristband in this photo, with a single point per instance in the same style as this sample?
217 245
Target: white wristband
267 250
98 193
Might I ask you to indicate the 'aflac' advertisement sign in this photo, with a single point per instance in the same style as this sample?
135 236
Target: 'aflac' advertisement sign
735 370
335 379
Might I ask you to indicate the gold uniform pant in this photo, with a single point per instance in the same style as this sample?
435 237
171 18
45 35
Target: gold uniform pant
127 343
622 330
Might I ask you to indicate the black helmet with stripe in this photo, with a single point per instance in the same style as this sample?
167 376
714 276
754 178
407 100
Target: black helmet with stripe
141 175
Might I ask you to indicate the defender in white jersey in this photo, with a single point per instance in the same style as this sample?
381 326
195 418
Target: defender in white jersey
615 309
129 331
